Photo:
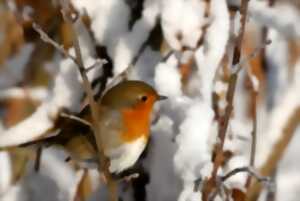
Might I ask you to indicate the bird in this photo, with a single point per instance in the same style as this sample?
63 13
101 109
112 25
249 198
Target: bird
125 118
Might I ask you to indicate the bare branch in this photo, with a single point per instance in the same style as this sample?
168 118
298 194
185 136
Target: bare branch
70 19
249 170
231 91
50 41
238 67
271 194
167 56
38 158
254 94
129 177
75 118
98 63
239 39
278 150
224 121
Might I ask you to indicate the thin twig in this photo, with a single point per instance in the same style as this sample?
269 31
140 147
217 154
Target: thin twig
271 194
278 150
98 63
68 17
249 170
239 39
79 181
238 67
47 39
120 77
129 177
224 121
231 91
75 118
37 162
220 190
220 180
167 56
254 94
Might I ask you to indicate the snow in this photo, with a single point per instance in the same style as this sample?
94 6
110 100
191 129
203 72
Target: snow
272 17
167 78
279 116
194 150
5 172
184 18
62 95
185 127
255 82
122 43
208 57
128 45
162 149
36 93
277 57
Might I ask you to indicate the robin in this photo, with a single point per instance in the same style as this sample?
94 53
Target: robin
125 118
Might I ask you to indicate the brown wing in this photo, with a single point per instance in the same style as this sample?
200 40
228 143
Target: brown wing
111 128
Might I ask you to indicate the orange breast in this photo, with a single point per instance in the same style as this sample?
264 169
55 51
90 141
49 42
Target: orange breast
136 122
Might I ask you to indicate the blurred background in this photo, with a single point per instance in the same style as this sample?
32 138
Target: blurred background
171 46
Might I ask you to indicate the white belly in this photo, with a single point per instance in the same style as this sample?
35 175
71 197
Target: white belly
126 155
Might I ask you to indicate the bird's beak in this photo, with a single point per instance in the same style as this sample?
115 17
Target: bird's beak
160 97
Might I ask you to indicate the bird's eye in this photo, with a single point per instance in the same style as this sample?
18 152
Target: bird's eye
144 98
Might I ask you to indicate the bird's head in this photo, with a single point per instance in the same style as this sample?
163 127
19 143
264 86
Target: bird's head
131 94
